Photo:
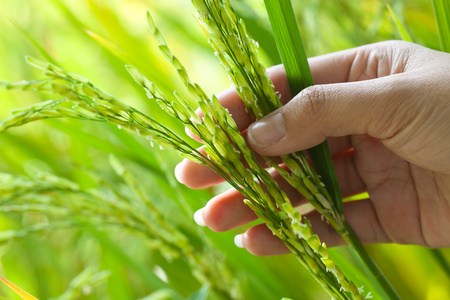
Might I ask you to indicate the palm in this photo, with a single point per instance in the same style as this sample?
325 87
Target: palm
405 197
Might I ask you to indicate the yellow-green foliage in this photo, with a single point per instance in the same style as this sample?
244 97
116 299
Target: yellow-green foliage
67 160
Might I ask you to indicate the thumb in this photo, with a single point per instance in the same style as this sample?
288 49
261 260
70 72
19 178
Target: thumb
375 107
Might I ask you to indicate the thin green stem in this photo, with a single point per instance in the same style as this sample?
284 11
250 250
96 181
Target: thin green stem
294 58
293 55
382 284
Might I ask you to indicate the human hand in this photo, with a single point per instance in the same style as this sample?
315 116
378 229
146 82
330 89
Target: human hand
385 111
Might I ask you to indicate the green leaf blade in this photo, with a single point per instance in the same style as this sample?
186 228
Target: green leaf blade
442 13
293 55
287 37
401 29
294 58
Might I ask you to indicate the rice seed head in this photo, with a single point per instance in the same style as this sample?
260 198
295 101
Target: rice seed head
228 37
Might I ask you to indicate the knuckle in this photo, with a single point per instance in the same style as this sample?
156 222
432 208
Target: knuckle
311 102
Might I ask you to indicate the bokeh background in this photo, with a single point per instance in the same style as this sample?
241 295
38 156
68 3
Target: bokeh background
97 38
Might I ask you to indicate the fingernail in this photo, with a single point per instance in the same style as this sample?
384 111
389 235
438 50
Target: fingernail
239 240
198 217
178 172
267 131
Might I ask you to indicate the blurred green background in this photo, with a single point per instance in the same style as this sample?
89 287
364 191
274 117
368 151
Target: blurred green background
97 39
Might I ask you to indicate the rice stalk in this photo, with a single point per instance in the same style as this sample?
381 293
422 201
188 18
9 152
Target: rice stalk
222 131
217 129
290 47
91 103
69 206
238 53
83 284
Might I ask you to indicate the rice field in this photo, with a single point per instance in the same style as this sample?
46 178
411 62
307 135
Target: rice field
89 210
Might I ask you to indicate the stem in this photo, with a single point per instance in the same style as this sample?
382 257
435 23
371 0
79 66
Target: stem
292 52
293 55
382 284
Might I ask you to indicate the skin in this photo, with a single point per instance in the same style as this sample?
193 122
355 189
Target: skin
385 111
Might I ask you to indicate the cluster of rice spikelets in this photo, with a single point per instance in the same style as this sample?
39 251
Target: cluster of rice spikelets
83 100
217 129
227 152
127 208
238 54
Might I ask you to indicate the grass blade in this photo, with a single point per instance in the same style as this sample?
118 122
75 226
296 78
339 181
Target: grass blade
441 260
24 295
35 44
293 55
442 13
294 58
401 29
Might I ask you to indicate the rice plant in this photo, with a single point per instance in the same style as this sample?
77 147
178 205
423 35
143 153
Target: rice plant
125 207
91 103
133 210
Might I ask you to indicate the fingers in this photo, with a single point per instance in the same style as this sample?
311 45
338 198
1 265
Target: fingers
361 216
198 176
329 68
228 210
378 107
